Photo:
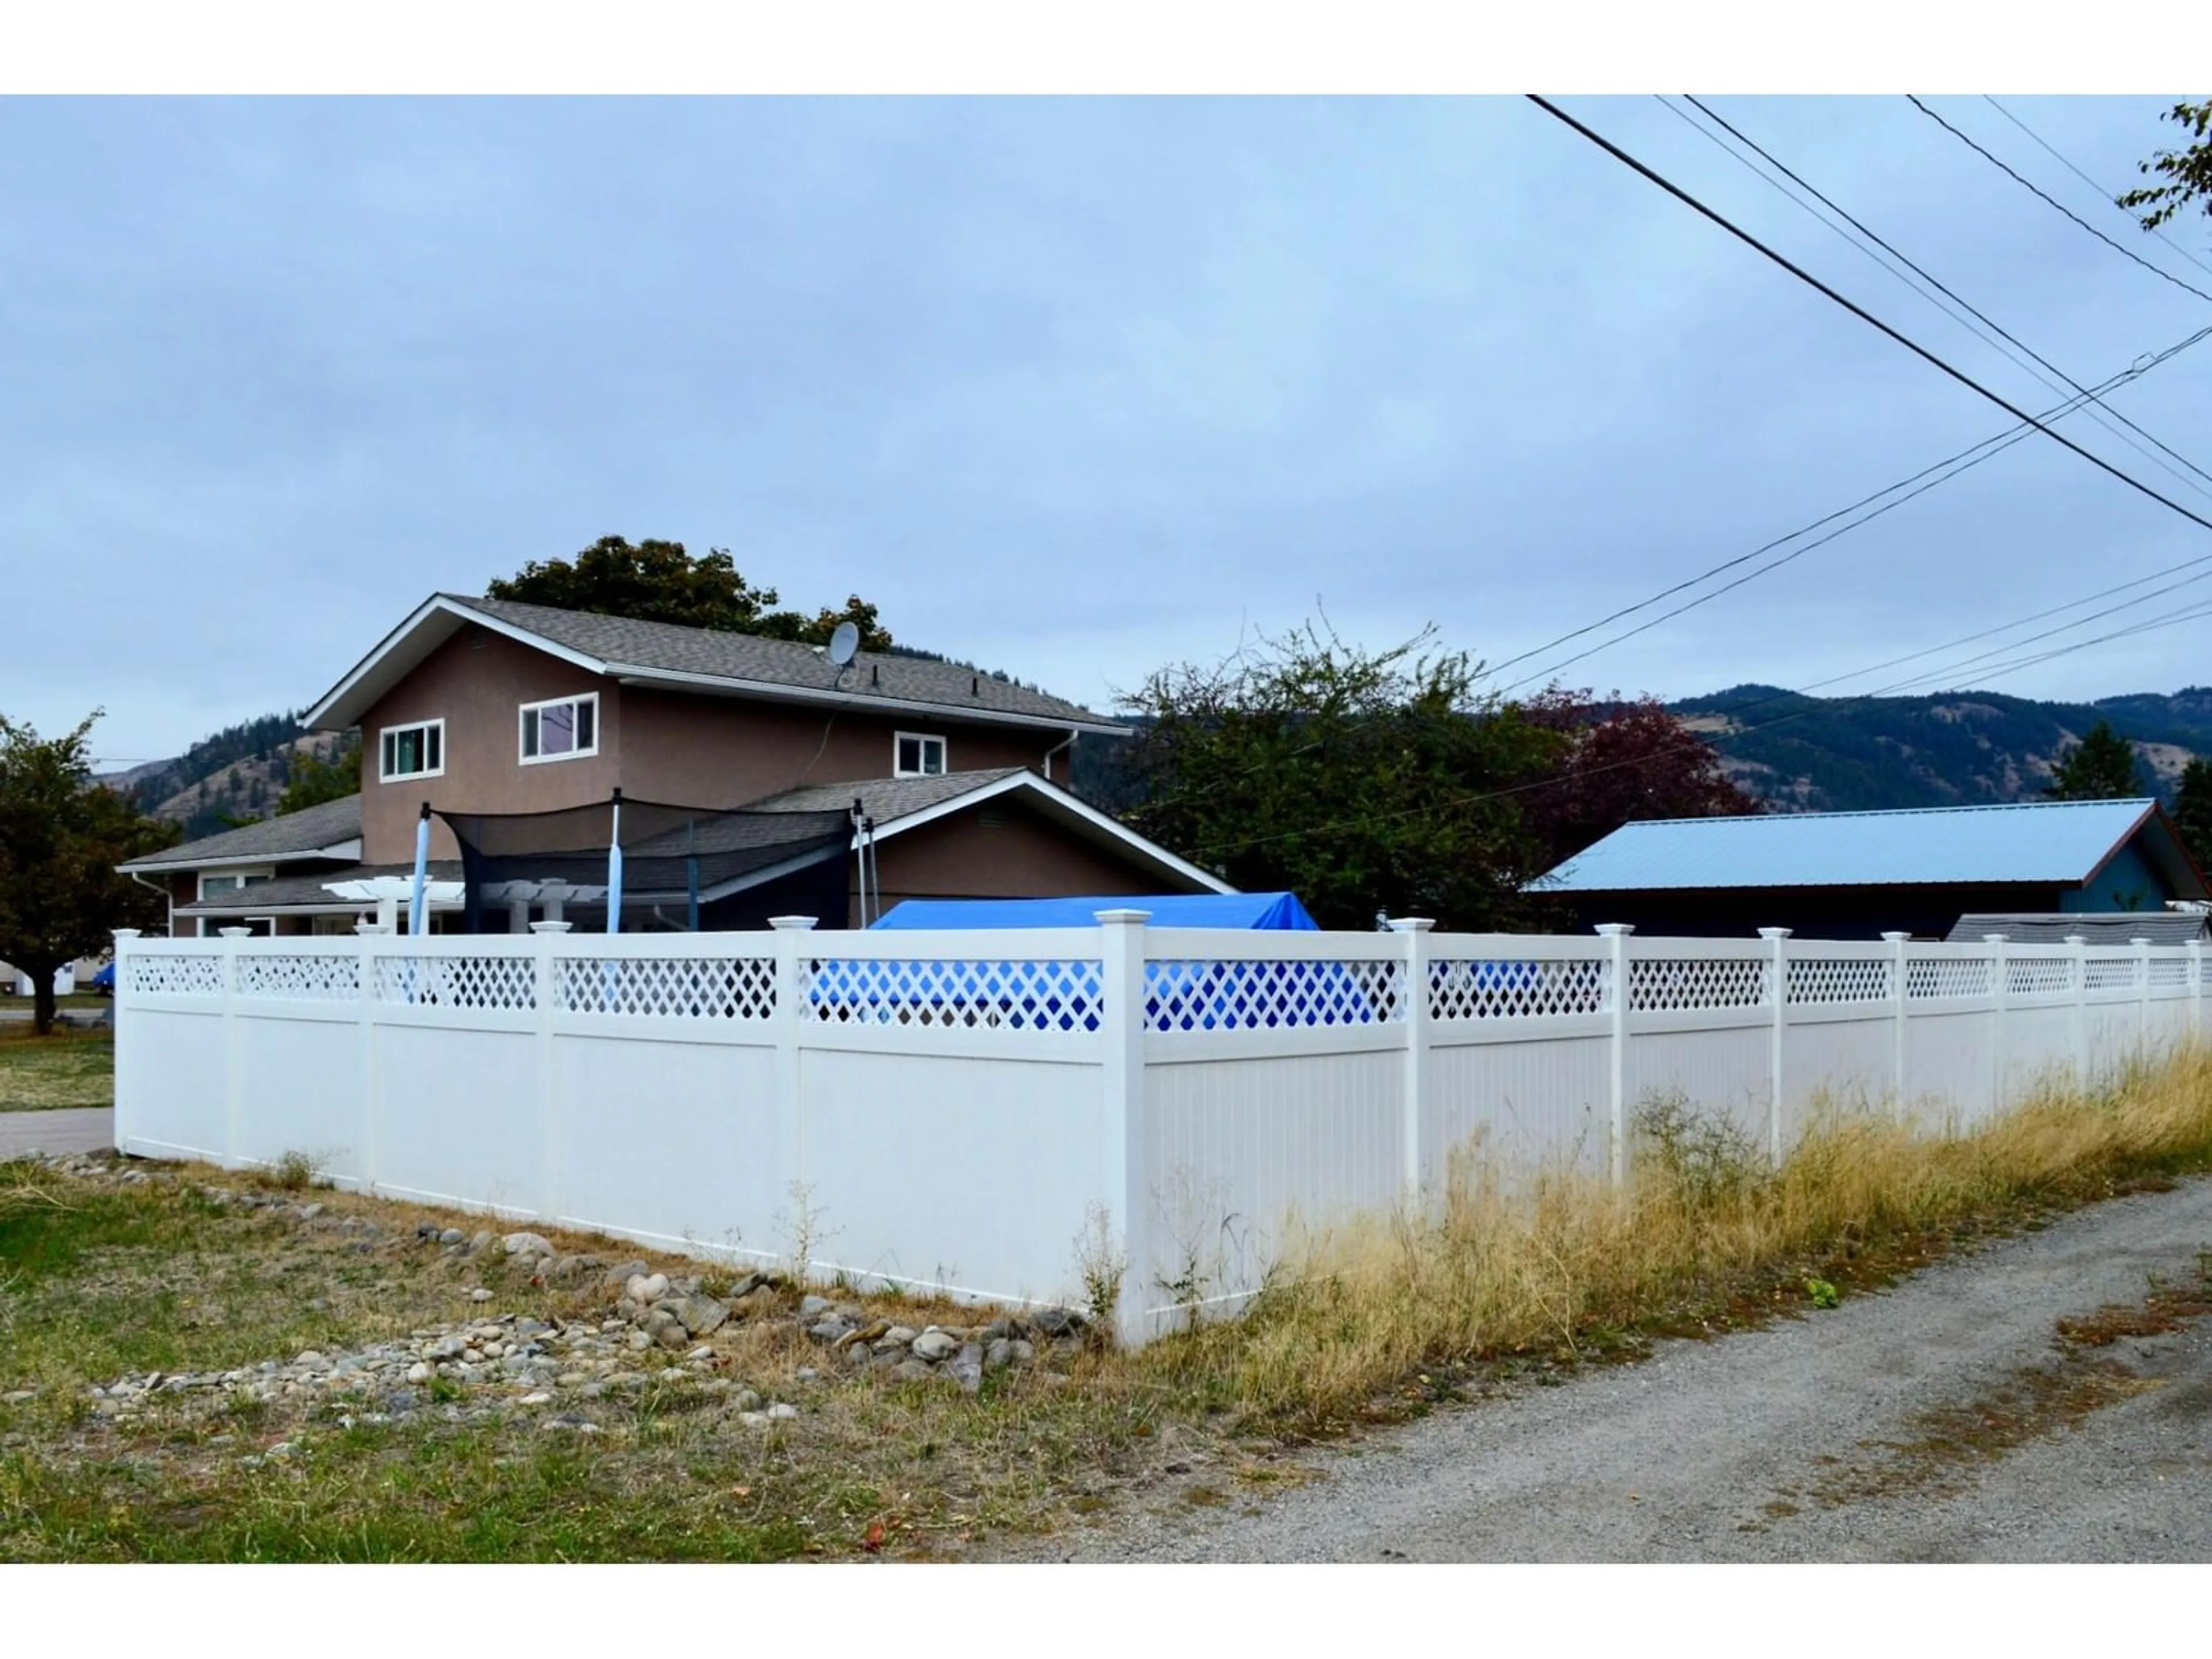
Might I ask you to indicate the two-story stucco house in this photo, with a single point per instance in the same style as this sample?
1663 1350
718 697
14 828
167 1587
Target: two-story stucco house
494 713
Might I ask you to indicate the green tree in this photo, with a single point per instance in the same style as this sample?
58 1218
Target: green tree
2101 767
316 778
2187 171
2192 809
61 836
658 581
1346 776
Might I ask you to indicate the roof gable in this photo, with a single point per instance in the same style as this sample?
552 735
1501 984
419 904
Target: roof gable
710 661
2056 842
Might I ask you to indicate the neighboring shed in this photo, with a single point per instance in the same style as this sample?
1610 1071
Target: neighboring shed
1856 875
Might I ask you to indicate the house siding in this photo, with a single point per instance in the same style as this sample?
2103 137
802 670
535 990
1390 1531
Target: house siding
994 850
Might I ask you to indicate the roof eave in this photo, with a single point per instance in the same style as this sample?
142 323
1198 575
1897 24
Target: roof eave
770 691
347 852
344 703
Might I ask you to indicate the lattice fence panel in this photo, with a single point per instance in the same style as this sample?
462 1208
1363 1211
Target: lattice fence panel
1816 980
508 983
1022 996
2169 972
2038 976
2113 973
174 977
1511 990
1930 978
1245 996
687 987
298 978
1688 983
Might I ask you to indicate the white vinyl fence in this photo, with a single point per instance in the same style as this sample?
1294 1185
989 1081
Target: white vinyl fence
963 1111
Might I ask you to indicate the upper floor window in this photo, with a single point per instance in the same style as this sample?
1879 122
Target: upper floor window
917 756
561 729
230 882
413 751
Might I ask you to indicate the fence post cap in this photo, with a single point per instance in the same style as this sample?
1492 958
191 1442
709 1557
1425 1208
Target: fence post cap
1122 918
236 932
1776 933
2077 938
372 927
792 922
1995 939
1616 929
545 927
1896 936
123 933
1412 924
2139 938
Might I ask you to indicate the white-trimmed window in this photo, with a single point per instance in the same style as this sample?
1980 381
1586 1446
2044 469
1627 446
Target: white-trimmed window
917 754
229 881
412 751
560 728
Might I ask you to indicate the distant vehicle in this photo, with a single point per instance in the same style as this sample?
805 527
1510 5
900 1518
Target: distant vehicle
103 983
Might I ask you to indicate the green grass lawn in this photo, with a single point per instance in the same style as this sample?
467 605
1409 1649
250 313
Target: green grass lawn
39 1074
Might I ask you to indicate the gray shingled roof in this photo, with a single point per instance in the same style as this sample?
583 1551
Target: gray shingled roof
295 835
2099 928
672 649
286 892
885 800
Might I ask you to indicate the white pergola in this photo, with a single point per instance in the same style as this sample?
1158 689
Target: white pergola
388 893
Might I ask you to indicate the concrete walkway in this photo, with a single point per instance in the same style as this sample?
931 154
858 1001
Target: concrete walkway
83 1129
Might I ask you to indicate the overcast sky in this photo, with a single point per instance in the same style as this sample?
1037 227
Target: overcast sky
1071 388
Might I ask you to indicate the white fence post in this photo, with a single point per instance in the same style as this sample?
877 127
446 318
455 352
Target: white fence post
1123 1022
1415 931
2077 1027
2143 997
1777 994
231 1042
1617 932
2196 987
1900 1036
546 976
791 989
125 1062
2000 994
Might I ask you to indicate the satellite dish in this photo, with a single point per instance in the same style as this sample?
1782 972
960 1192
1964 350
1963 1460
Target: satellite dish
844 643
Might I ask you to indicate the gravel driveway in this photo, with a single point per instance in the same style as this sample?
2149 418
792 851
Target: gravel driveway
1942 1420
75 1131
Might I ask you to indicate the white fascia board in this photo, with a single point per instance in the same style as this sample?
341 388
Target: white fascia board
1055 798
348 851
335 711
773 691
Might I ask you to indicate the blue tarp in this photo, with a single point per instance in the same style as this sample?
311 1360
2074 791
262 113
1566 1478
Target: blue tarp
1276 912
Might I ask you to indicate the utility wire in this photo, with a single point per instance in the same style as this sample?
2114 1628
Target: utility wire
1864 314
1950 293
2062 207
2112 196
2001 440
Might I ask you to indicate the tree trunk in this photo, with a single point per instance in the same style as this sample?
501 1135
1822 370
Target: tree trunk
42 995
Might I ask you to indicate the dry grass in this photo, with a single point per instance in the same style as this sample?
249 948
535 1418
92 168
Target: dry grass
1568 1269
44 1073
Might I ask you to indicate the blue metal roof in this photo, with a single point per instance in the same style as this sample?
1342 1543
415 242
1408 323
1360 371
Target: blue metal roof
2061 841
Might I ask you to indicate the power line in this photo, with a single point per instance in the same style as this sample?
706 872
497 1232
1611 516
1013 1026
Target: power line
2055 202
2111 196
1993 444
1862 314
1936 283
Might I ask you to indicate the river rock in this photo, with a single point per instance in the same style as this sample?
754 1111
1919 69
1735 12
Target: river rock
933 1345
527 1244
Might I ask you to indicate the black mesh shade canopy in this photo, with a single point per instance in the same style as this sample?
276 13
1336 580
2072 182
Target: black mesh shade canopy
669 854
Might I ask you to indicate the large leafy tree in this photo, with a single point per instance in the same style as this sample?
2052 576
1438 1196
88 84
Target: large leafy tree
1625 761
61 836
2187 171
1363 782
660 581
2101 767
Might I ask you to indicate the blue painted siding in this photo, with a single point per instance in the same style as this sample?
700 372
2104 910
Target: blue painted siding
2128 882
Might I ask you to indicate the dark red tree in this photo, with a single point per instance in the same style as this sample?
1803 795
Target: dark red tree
1629 761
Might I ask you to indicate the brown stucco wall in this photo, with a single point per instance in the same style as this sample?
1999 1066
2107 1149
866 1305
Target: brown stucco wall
655 746
995 850
476 682
722 751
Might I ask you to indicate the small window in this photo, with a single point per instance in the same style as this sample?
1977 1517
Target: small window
228 883
565 728
918 756
414 751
